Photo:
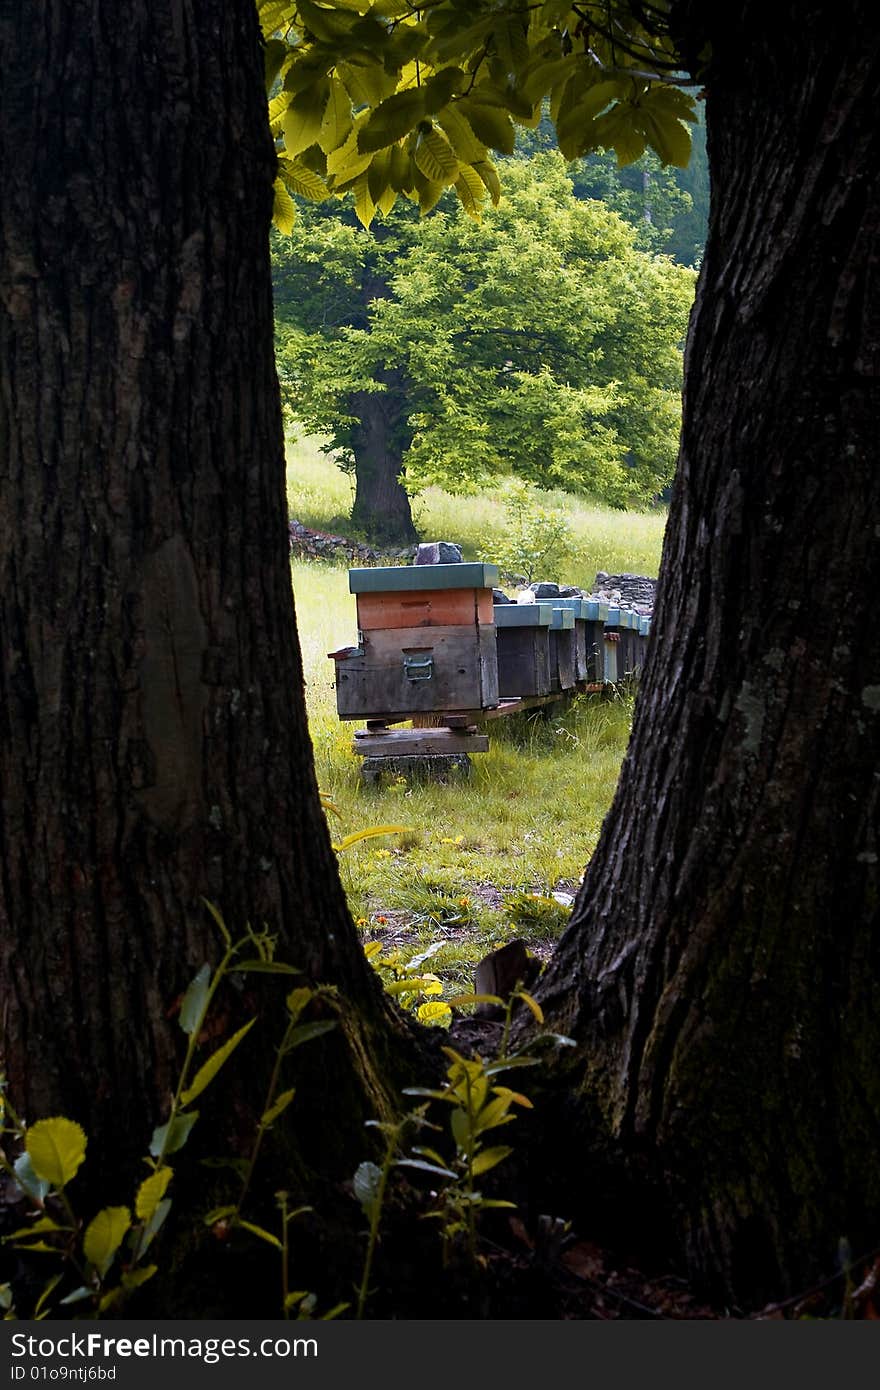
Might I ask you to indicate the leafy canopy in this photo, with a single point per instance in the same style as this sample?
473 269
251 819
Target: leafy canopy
538 342
387 98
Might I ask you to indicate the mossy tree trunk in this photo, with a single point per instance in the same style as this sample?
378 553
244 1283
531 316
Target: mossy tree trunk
153 741
722 969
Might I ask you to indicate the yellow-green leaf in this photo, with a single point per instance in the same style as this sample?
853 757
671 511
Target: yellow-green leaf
486 171
277 1109
436 158
151 1192
336 122
393 118
434 1012
489 1158
304 117
267 1236
471 192
104 1235
490 124
531 1004
56 1148
302 180
284 209
348 840
206 1073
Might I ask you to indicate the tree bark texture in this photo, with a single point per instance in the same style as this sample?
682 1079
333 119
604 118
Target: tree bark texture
722 969
153 741
378 442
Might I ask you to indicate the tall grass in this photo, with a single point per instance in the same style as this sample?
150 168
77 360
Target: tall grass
320 496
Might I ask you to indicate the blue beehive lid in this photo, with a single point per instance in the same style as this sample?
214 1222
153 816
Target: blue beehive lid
386 579
577 605
523 615
644 625
562 618
591 607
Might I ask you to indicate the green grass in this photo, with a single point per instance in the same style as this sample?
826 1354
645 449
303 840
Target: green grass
527 819
320 495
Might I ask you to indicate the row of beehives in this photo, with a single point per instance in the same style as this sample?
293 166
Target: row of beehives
431 640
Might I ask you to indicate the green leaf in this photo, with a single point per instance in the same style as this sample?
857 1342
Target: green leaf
459 1000
304 117
133 1278
218 922
366 1183
489 1158
219 1214
194 1002
264 967
296 1001
56 1148
104 1235
336 122
206 1073
487 172
531 1004
436 158
41 1301
37 1228
471 192
274 56
170 1137
151 1192
303 181
277 1109
306 1032
267 1236
153 1226
31 1185
407 986
433 1012
393 118
490 124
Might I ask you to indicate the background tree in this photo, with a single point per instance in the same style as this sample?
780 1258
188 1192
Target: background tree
538 342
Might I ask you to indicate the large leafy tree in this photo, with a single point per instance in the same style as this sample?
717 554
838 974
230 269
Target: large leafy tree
537 342
721 974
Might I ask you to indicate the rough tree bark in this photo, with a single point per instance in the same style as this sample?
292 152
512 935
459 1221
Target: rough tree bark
153 739
722 969
378 442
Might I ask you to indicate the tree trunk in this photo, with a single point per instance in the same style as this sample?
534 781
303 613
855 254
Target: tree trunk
378 441
154 750
721 972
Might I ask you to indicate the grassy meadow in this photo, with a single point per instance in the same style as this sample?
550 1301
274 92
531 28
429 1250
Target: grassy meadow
481 856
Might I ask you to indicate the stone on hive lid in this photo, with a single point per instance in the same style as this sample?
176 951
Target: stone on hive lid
545 590
438 553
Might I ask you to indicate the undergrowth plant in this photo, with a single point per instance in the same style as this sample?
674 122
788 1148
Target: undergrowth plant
107 1254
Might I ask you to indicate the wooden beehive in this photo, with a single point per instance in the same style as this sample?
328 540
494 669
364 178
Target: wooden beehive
582 650
426 642
562 649
523 644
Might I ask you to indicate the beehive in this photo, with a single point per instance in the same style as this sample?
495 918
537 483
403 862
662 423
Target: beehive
562 649
426 642
523 644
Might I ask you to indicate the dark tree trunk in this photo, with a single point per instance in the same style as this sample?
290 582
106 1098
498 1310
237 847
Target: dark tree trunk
378 442
153 740
722 970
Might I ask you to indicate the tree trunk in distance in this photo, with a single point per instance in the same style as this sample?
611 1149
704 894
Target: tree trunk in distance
722 969
154 749
381 504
